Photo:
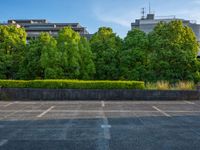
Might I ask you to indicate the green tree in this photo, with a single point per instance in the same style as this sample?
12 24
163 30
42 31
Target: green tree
106 47
42 59
50 57
68 45
134 56
174 49
12 46
87 67
31 66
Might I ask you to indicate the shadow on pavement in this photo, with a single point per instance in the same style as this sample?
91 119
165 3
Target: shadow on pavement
126 133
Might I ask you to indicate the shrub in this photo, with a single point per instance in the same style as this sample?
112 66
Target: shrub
164 85
151 86
13 84
71 84
185 85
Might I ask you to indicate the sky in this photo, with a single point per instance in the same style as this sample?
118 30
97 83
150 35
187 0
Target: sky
117 14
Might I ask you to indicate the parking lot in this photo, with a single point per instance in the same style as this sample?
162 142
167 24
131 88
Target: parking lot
100 125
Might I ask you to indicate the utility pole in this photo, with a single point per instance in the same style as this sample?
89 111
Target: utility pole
143 13
149 7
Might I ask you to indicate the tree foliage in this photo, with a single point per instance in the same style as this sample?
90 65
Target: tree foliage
68 45
42 59
87 66
168 53
133 64
50 57
12 43
174 49
76 56
106 47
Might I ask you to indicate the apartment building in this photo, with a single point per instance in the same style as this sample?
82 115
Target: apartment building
34 27
148 23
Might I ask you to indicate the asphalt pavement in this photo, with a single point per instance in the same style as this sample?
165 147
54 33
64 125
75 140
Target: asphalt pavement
100 125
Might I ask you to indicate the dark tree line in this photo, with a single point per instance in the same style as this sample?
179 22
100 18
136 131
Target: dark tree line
168 53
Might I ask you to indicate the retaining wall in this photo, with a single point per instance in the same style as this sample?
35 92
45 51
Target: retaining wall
75 94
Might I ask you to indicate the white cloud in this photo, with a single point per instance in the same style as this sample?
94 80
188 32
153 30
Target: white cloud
119 17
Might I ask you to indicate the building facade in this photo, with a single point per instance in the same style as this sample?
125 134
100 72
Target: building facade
148 23
34 27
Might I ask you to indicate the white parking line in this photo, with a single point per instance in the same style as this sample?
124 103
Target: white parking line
106 128
46 111
188 102
164 113
12 112
10 104
3 142
147 102
102 104
98 111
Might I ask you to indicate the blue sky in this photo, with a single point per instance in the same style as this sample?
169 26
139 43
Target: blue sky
92 14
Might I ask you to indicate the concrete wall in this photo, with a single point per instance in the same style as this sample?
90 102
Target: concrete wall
74 94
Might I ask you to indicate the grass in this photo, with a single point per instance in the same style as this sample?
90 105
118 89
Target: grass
185 85
164 85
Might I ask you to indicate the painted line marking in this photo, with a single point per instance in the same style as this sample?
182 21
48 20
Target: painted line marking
106 126
10 104
164 113
97 111
14 112
148 103
106 129
188 102
3 142
46 111
102 104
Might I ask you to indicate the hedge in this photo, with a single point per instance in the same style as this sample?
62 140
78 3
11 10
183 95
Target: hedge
71 84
